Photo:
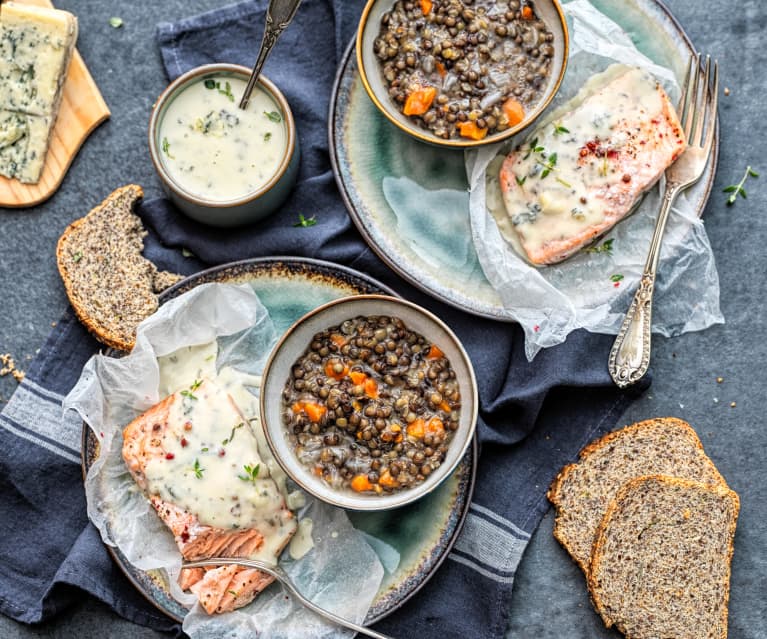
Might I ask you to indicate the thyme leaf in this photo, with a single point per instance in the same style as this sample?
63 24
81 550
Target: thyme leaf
737 189
616 278
604 247
305 221
559 129
229 439
188 393
251 473
273 116
166 148
198 470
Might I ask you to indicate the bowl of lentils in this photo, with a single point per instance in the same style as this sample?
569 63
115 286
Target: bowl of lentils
369 402
462 73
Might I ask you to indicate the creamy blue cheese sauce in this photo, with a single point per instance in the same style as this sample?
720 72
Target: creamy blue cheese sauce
213 149
217 464
565 167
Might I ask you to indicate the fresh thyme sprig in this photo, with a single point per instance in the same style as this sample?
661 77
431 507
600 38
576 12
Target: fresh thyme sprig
737 189
305 221
559 129
550 161
229 439
198 470
604 247
251 473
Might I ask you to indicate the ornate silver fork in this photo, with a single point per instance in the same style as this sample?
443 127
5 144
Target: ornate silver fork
280 575
630 354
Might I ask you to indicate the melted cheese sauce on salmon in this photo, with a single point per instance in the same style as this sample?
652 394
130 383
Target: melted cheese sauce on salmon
212 468
217 464
575 172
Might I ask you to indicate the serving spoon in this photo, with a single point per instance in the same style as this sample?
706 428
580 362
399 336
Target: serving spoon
279 13
280 575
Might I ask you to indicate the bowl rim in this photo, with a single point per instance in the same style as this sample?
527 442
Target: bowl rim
421 134
179 84
377 502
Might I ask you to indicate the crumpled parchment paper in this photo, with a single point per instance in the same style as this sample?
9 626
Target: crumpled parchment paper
341 572
553 301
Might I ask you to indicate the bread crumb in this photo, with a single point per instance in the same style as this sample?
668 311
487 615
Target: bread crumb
9 367
732 404
719 380
727 90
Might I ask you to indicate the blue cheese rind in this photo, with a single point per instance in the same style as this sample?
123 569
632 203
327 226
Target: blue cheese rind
36 46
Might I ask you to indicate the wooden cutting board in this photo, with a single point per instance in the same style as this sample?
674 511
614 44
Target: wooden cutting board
82 110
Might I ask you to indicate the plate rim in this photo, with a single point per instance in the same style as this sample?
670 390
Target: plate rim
499 313
87 438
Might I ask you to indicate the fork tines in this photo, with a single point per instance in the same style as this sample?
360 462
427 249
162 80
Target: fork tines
700 101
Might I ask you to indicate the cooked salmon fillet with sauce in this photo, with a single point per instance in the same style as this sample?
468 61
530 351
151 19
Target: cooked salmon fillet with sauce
581 174
196 459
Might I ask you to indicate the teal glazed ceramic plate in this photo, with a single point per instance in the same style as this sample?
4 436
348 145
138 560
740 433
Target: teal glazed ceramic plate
410 200
423 532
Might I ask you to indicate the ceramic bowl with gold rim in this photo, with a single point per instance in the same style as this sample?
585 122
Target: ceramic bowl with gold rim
219 164
369 402
462 73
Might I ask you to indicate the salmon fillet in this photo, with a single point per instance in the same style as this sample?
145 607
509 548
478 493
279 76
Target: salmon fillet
584 172
187 453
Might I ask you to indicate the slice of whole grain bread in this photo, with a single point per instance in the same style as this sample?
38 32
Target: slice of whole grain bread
661 559
110 285
582 491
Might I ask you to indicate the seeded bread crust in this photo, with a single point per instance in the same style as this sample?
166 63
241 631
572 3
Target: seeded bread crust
578 543
110 285
622 604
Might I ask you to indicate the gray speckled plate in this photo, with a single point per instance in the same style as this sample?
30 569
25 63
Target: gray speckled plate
381 171
423 532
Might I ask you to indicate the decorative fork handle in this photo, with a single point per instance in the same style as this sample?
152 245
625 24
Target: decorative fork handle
279 13
630 354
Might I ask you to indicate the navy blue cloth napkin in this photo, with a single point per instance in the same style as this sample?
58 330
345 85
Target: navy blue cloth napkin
534 416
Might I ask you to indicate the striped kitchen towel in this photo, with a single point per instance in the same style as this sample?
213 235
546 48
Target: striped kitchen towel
534 416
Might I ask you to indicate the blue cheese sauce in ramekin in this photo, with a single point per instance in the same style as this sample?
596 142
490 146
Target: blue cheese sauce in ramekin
216 151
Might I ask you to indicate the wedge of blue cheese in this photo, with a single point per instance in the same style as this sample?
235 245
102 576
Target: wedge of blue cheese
36 46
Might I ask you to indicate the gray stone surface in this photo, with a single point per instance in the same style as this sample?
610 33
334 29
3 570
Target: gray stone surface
549 599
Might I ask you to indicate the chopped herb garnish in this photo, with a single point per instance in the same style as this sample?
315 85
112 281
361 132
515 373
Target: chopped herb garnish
229 439
548 165
273 116
520 180
305 221
251 473
166 148
209 358
534 148
198 470
188 394
77 257
559 129
232 592
211 84
205 449
567 185
604 247
616 278
196 384
267 136
227 91
115 22
737 189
